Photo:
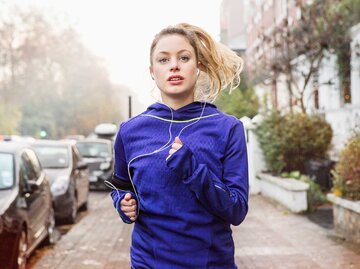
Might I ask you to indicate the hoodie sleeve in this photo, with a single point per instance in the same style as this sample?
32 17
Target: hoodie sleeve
225 197
120 173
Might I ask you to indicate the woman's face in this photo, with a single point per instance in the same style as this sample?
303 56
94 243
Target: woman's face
174 67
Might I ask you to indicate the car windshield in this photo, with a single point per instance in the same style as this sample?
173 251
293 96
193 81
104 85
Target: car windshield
53 156
7 176
94 149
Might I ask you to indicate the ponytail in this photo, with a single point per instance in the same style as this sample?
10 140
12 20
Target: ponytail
220 66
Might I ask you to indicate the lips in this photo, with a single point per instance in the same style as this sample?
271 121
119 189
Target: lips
175 78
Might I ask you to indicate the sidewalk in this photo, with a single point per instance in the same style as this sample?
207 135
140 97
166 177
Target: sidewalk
99 240
270 237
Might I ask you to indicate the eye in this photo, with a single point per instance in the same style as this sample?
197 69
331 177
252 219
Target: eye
163 60
184 58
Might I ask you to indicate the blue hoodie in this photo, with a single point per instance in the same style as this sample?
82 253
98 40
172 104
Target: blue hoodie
189 200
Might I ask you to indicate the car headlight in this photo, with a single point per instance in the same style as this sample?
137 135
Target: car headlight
60 185
104 166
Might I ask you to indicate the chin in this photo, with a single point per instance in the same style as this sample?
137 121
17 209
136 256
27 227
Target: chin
180 93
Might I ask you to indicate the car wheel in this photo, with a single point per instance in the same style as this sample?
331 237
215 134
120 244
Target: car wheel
51 237
84 206
21 251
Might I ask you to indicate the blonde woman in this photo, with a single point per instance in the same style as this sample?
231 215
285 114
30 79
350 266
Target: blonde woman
181 168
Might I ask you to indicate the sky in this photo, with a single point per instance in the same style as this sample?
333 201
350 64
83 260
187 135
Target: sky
121 31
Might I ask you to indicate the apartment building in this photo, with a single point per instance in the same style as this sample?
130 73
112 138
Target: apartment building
261 18
233 22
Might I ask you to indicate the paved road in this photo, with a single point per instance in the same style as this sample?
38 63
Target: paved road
270 237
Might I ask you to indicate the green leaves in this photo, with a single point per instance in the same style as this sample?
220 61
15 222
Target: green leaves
241 102
287 141
346 174
322 30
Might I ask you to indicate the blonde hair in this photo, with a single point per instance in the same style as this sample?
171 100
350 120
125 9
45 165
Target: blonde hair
220 66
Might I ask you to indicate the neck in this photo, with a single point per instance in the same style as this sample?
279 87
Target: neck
177 103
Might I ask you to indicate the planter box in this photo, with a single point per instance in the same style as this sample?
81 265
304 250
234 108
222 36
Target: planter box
289 192
346 217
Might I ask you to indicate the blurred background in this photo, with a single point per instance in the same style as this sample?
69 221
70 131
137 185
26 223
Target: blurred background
72 70
69 65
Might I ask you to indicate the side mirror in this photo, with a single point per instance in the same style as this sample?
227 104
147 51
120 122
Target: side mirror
81 165
31 187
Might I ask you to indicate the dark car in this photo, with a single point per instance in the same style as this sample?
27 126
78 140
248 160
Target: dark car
68 175
98 154
26 212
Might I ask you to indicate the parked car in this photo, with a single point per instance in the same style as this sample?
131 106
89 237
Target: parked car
17 138
104 131
98 154
68 175
26 212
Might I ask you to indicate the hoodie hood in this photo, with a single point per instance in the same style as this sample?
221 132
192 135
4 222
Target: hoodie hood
187 112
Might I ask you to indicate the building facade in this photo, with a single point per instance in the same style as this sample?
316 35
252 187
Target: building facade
323 93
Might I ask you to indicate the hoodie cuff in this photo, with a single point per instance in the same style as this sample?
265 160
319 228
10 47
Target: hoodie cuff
117 201
182 162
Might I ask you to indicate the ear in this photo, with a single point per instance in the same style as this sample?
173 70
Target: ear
151 72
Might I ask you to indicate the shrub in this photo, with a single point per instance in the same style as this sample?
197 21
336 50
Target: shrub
287 141
269 134
346 181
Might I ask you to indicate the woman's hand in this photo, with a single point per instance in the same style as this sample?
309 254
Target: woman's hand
175 146
129 207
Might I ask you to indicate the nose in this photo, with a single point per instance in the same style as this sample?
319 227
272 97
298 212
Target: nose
174 65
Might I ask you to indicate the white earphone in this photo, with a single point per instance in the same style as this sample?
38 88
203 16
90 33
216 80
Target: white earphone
165 146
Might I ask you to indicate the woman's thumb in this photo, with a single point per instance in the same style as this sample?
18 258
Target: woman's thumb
127 196
177 140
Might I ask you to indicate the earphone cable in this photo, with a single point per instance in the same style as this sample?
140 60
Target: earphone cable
165 146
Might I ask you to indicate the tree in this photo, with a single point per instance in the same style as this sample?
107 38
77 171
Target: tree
241 102
297 51
52 79
9 116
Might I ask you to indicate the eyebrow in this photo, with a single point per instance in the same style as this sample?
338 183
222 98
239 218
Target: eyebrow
180 51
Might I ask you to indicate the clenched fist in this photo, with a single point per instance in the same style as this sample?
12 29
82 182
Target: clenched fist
129 207
175 146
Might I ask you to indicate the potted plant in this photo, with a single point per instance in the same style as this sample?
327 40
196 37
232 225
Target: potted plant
345 194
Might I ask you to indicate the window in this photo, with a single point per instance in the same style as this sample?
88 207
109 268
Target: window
315 84
34 162
53 157
344 69
7 175
27 171
93 149
346 91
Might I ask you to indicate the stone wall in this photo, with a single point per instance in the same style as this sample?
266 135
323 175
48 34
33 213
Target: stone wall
289 192
346 218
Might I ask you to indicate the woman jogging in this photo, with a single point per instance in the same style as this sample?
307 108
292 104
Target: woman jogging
181 168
